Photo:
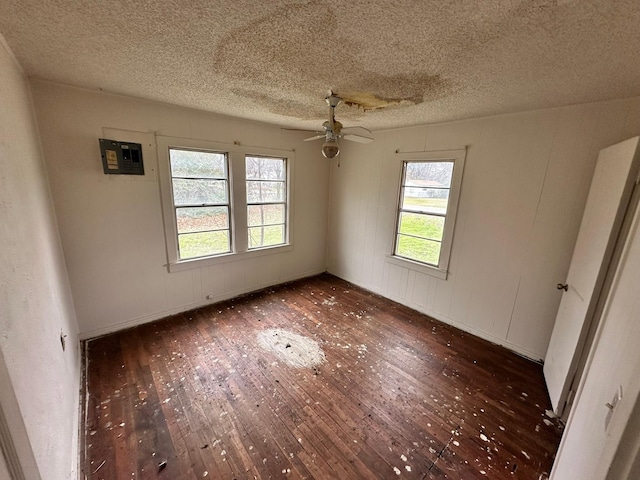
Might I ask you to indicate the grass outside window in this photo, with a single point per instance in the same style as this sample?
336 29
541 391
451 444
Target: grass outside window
200 189
422 212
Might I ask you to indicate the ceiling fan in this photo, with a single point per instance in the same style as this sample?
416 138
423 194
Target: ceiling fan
334 131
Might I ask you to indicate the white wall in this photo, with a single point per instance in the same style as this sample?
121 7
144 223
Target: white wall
4 471
587 450
35 300
523 192
111 225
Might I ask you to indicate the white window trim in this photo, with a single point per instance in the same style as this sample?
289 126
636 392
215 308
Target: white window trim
237 201
286 201
458 159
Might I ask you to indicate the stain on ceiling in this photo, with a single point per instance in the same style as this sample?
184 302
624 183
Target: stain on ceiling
395 64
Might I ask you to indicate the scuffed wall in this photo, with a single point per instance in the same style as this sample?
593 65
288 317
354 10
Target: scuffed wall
35 301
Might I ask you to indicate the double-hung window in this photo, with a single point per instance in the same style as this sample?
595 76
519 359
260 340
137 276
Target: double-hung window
223 201
429 191
266 201
200 186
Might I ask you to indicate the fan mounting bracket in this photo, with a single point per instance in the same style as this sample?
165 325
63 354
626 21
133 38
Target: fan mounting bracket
333 100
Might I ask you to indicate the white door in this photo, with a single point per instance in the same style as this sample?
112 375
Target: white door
609 196
601 438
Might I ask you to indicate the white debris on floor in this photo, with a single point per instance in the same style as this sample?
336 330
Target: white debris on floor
293 349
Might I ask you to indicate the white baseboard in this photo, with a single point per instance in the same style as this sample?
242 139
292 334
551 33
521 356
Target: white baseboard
530 355
133 322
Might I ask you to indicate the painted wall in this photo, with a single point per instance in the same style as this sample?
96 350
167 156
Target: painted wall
4 471
35 299
523 192
587 449
111 225
626 462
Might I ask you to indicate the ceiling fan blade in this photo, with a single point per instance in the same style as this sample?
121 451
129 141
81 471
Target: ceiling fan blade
365 132
315 137
357 134
358 138
305 130
318 135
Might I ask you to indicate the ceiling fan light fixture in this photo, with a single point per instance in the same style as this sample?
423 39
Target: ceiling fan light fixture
330 149
333 131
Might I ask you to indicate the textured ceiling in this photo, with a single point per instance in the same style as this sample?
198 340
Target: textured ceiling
274 61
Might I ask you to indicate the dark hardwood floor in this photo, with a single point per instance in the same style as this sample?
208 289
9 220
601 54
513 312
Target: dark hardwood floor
398 395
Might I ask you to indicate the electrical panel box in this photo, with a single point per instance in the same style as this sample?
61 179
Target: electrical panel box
122 158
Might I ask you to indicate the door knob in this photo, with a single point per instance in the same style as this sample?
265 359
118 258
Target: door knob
562 286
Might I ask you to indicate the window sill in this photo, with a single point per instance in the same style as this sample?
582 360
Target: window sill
418 267
227 257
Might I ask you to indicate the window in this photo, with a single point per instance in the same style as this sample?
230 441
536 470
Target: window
222 202
200 186
422 214
429 191
266 201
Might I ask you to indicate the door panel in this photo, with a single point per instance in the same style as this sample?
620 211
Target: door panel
601 438
609 196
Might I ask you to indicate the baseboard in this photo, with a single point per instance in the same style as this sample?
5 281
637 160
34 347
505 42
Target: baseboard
134 322
517 349
83 407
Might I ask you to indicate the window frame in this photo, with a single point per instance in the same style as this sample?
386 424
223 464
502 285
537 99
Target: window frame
285 202
175 207
238 221
458 158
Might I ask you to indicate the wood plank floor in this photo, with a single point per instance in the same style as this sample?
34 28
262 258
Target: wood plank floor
398 395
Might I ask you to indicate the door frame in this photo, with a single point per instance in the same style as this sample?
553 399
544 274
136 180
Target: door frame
603 295
602 281
611 259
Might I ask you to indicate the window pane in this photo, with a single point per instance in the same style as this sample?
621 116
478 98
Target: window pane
425 226
202 219
193 245
259 168
265 192
199 192
429 174
266 236
421 250
188 163
265 214
427 200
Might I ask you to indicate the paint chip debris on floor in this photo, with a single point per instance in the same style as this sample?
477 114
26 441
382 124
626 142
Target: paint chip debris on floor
293 349
312 379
